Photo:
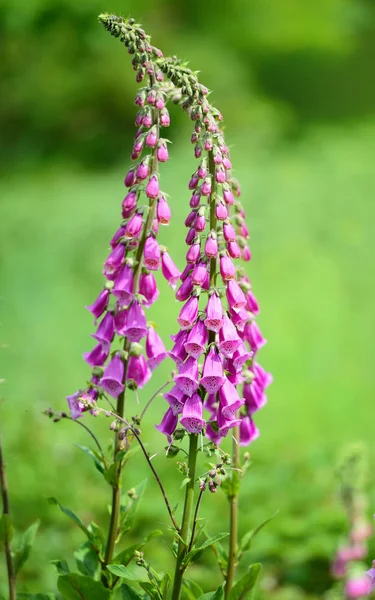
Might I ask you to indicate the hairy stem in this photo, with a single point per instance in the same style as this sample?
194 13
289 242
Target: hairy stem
116 491
186 517
233 523
6 516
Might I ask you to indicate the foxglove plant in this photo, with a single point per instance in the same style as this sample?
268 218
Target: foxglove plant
218 384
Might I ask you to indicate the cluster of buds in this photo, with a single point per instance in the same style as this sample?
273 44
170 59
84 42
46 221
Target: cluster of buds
213 479
135 255
348 564
216 346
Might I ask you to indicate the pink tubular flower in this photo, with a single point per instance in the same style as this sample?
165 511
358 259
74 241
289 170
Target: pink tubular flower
138 371
118 235
229 339
230 401
214 314
252 334
186 272
113 262
142 171
240 357
178 352
188 313
248 431
227 268
195 200
105 332
135 328
155 349
152 188
97 356
191 235
151 254
235 296
185 290
123 287
76 407
187 378
175 398
225 423
229 233
168 424
358 587
252 303
133 226
211 247
112 378
129 201
162 152
169 270
213 376
233 249
193 253
192 414
263 378
199 274
254 396
221 211
148 288
197 339
100 304
200 223
206 187
228 196
130 178
163 211
151 138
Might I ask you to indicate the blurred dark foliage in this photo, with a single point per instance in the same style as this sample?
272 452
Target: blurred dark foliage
67 88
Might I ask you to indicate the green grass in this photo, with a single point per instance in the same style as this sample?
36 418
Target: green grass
311 212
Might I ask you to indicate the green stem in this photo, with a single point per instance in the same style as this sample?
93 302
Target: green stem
233 524
116 491
186 517
6 514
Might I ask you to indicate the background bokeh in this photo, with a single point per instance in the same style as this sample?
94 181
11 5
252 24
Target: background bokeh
294 80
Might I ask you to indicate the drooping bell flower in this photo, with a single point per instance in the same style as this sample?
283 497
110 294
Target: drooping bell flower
253 336
188 314
168 424
221 211
105 332
227 268
200 222
100 304
229 233
214 314
130 178
199 274
228 196
193 253
135 328
235 296
164 118
148 288
220 175
129 201
175 398
113 262
120 321
123 287
191 236
211 246
195 199
263 378
212 435
254 396
142 171
229 398
206 187
187 378
97 356
187 271
185 289
252 303
152 188
163 211
76 407
133 226
248 431
197 340
138 371
225 423
162 152
118 235
151 138
229 339
210 404
371 575
246 254
192 414
151 254
212 376
233 249
358 587
240 357
178 352
169 270
155 349
113 375
194 180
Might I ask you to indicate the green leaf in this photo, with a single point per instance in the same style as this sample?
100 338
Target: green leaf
69 513
96 536
130 505
125 556
217 595
87 560
110 474
122 571
196 552
245 542
164 585
124 455
61 567
151 589
231 484
129 593
245 584
192 589
80 587
96 457
184 482
6 529
25 596
23 546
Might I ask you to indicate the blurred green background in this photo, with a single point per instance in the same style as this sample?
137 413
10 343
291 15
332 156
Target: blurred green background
294 80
